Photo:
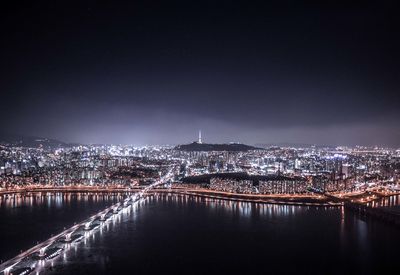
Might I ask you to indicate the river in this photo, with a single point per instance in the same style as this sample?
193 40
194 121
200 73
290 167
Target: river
186 234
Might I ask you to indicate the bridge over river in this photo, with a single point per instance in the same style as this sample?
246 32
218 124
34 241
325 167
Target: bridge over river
40 255
358 204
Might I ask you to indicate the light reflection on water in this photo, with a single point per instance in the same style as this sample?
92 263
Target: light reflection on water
284 230
54 199
169 224
45 214
72 250
243 209
391 201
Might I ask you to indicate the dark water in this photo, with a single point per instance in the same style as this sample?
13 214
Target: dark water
187 235
25 220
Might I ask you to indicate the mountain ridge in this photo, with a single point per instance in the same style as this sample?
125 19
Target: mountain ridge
32 141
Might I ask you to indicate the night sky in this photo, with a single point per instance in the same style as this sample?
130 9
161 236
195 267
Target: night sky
155 72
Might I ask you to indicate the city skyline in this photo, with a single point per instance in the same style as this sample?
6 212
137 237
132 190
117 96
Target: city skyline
35 141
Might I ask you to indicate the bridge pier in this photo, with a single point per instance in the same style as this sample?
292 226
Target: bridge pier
115 209
103 217
68 237
42 252
88 225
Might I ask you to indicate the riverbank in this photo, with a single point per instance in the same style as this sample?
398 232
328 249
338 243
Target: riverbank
296 199
306 200
77 189
289 199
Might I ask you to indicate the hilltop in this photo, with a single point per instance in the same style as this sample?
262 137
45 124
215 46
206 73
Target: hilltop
233 147
31 141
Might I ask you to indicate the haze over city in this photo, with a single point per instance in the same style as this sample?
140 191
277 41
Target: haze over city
157 72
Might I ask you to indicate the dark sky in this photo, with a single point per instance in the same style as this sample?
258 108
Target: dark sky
157 72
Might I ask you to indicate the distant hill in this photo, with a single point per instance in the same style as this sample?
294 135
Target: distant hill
233 147
31 142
